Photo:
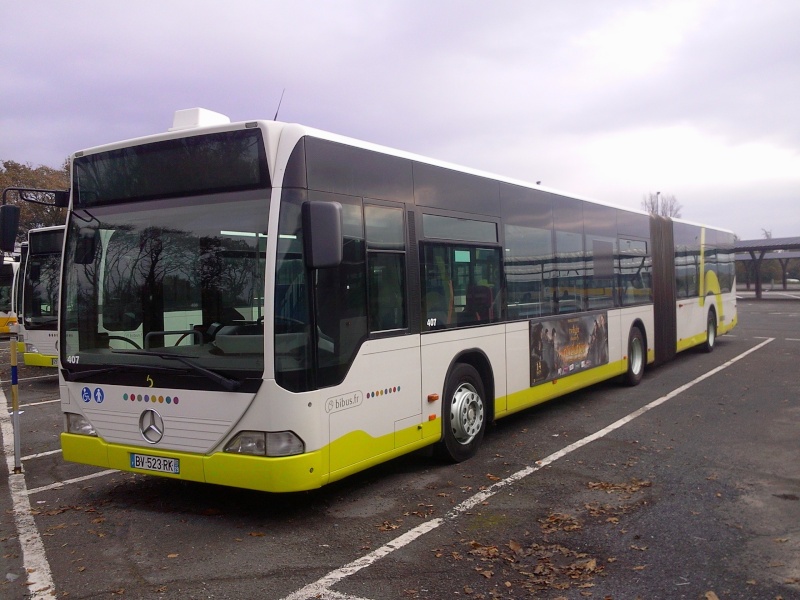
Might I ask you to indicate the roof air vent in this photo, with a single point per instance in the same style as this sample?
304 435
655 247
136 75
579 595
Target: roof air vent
190 118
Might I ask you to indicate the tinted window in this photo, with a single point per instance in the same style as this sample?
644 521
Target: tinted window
687 259
461 285
188 166
529 263
386 267
451 228
437 187
635 272
344 169
46 242
633 224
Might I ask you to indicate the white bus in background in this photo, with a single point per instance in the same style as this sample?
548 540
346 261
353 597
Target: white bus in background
8 287
269 306
38 308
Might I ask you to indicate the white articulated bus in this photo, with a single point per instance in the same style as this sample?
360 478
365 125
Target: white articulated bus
38 298
269 306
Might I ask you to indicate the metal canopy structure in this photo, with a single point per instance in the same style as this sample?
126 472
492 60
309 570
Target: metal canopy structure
767 249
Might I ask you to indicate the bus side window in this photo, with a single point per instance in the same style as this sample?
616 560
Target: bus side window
461 285
386 292
386 259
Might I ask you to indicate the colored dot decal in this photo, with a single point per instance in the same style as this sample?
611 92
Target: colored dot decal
156 399
383 392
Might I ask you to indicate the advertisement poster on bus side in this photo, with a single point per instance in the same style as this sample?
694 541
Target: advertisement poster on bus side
567 345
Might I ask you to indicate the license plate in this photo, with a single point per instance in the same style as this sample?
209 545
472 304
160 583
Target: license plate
156 463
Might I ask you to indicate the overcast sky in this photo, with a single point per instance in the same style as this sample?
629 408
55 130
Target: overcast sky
611 100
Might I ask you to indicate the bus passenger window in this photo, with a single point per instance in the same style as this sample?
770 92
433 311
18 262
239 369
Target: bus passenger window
386 258
461 285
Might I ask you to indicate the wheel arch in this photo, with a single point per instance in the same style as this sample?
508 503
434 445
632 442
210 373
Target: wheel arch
477 358
639 324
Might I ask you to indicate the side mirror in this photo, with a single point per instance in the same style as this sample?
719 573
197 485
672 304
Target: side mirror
57 198
9 225
322 234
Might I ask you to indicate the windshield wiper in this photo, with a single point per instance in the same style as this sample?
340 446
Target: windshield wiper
79 375
226 382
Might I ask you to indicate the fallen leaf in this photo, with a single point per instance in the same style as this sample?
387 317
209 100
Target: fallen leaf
711 596
173 555
387 526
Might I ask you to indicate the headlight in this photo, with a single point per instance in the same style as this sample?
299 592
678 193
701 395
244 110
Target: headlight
248 442
31 349
284 443
80 425
260 443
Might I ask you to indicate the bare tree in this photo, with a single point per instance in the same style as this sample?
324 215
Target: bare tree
766 234
665 205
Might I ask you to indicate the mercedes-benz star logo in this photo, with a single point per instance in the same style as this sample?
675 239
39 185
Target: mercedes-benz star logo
152 426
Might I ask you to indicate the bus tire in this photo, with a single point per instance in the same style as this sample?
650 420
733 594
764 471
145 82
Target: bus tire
464 414
711 332
636 357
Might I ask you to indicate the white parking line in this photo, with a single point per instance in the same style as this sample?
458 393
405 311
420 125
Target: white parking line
27 404
39 575
321 587
40 455
34 559
60 484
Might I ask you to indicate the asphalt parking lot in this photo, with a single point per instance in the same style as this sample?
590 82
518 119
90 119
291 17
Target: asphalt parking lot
687 486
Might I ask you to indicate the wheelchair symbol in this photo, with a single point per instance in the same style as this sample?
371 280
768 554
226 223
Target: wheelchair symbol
86 394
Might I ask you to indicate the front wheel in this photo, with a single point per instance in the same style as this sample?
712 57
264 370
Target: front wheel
464 414
636 357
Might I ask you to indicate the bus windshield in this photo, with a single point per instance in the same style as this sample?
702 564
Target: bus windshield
41 279
176 284
41 291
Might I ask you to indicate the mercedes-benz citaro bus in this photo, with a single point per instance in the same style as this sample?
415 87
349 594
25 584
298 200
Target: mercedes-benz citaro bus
265 305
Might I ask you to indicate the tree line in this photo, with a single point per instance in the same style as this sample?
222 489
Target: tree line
14 174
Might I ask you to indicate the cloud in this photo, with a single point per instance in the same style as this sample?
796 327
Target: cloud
612 101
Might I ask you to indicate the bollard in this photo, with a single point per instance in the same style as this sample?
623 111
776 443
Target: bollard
14 330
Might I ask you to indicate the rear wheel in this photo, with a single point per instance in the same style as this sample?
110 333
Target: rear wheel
711 332
464 414
636 357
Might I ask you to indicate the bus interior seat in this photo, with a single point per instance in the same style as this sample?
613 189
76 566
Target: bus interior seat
479 306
